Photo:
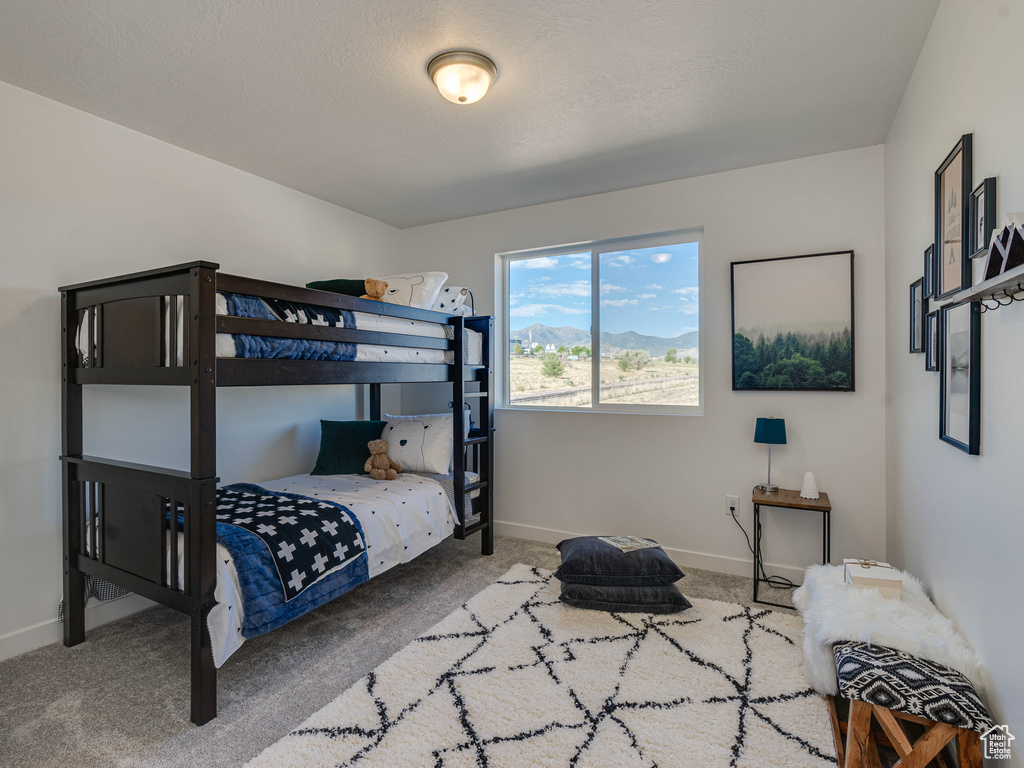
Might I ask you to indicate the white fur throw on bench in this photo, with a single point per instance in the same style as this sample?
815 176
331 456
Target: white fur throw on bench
833 613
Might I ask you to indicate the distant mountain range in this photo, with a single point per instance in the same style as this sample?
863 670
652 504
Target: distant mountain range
613 343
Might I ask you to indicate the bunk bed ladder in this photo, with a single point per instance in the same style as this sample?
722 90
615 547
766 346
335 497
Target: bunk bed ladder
479 442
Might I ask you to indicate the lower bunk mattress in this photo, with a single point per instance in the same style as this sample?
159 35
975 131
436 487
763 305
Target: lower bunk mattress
344 529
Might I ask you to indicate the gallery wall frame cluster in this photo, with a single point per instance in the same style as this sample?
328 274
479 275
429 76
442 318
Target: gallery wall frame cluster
950 334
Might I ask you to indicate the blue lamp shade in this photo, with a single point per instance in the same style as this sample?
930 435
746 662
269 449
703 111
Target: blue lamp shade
771 431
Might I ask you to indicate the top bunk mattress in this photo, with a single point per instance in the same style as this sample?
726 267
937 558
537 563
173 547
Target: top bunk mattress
269 347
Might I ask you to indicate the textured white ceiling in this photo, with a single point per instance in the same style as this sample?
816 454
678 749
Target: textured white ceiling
331 97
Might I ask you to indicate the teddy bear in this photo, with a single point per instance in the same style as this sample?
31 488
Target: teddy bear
375 289
380 465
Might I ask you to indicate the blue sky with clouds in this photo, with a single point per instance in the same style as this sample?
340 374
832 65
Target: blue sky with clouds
652 291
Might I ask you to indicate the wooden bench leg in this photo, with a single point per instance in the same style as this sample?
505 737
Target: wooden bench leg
968 748
837 734
928 746
858 731
897 736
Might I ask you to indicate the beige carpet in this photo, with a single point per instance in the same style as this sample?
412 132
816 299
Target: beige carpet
121 697
516 678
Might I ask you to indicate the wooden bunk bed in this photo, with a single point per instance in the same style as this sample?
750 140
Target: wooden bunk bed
160 327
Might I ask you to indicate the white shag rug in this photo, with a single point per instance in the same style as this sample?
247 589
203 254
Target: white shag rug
515 678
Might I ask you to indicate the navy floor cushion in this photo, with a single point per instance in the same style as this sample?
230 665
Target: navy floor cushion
652 599
588 560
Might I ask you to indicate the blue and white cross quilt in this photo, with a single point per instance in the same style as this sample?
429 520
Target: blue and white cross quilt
292 553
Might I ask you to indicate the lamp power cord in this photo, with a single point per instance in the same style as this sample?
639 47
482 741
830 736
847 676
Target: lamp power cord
778 582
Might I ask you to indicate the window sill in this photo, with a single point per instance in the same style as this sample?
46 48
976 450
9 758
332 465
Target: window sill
682 410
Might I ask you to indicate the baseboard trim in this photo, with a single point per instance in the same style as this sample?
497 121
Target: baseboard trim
98 613
23 640
735 566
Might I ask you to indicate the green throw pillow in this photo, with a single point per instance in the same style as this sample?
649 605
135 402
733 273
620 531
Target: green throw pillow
343 446
345 287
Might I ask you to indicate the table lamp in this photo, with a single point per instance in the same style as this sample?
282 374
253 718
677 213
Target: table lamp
771 431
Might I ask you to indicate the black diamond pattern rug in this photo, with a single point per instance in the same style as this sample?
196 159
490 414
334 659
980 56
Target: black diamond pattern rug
516 678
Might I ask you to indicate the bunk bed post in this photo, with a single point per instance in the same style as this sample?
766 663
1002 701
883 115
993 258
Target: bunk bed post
71 445
203 536
458 377
487 416
375 402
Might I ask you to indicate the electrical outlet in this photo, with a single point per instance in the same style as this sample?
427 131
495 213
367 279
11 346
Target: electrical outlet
732 503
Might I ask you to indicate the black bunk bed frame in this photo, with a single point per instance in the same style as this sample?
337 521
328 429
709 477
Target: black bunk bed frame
116 521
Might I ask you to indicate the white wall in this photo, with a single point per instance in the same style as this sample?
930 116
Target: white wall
957 521
80 199
588 473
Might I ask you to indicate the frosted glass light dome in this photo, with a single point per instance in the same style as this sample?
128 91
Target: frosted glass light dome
462 77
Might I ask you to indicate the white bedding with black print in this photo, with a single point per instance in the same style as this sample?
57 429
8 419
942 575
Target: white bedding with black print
401 519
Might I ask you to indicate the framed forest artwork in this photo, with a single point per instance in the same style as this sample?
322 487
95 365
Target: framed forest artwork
952 219
792 323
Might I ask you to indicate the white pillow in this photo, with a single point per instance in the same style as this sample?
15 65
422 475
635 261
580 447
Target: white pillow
414 289
420 443
450 299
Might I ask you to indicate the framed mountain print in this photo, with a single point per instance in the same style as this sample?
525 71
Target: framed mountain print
952 217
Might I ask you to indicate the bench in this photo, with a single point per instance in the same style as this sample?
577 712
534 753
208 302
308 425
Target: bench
919 706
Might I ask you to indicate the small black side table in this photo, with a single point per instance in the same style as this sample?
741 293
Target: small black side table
786 499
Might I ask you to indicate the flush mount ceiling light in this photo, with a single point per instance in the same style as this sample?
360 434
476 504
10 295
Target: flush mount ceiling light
462 77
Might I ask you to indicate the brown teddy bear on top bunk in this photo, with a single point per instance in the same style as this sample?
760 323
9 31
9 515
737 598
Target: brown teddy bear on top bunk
375 289
380 465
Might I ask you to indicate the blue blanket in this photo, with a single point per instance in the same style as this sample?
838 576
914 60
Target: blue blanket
267 347
292 553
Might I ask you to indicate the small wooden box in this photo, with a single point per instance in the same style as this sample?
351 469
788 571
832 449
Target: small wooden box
868 574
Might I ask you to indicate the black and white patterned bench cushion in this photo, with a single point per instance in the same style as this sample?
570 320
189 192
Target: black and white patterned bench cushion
897 680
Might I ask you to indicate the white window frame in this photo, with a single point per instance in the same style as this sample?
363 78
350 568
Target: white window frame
596 249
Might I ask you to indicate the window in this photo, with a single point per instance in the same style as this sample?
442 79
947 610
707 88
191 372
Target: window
630 345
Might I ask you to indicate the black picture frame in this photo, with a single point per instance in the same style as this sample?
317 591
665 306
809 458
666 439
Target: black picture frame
918 311
960 376
983 217
931 340
929 271
793 304
952 214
